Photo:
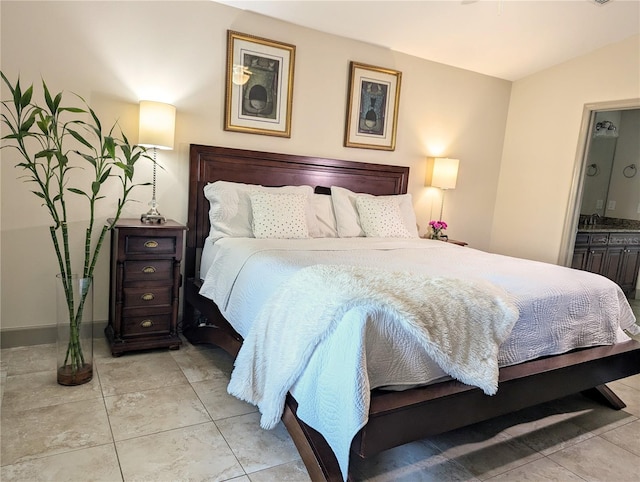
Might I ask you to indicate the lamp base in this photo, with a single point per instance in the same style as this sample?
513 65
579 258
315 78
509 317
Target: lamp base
153 217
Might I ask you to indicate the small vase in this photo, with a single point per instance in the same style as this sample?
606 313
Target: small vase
75 329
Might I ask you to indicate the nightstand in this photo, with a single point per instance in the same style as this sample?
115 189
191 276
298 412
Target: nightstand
455 241
452 241
144 285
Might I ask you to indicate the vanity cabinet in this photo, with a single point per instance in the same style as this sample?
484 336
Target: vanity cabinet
615 255
628 245
145 283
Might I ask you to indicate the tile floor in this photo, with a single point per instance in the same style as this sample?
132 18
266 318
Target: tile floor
165 416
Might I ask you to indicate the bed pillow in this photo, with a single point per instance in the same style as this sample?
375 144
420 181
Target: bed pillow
279 215
346 212
380 217
230 207
325 219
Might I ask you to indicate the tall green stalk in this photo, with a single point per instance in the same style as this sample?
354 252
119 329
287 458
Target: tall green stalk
52 140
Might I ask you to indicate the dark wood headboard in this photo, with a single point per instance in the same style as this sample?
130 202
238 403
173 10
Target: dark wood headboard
209 164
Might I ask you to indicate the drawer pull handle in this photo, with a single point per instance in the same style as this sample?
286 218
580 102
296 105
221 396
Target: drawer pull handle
147 297
146 324
149 269
151 244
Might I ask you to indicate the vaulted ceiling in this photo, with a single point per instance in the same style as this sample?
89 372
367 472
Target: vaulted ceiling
509 39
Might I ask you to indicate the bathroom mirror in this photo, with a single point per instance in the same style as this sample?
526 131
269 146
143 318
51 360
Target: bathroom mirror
612 180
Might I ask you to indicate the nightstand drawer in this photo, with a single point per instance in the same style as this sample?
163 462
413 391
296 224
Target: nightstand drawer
151 270
156 296
146 325
150 245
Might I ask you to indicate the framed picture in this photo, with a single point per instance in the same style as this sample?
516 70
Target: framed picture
372 108
259 87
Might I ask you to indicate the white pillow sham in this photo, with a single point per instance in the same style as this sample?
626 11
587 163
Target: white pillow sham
230 207
326 220
279 215
348 220
380 217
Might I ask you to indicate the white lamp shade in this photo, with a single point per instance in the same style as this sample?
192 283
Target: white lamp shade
442 172
157 124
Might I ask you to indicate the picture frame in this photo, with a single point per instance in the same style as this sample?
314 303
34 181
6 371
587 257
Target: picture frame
259 85
372 107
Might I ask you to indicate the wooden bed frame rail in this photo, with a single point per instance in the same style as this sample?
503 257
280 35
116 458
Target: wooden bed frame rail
395 418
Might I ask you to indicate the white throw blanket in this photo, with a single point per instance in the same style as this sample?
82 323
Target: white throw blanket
460 324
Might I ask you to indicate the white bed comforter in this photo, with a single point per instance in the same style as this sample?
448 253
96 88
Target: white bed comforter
459 324
559 309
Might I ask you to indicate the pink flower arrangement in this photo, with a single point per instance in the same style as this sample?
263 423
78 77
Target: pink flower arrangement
436 229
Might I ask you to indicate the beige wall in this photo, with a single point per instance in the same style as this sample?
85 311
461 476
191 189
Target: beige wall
541 143
117 53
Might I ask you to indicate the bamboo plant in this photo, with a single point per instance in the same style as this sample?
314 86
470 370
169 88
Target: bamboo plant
53 141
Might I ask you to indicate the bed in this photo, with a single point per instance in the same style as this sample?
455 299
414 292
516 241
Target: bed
394 417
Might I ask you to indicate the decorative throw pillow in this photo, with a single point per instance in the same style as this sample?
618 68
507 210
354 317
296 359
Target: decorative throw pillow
347 219
230 207
279 216
380 217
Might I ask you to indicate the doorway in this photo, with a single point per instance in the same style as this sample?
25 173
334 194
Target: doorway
584 168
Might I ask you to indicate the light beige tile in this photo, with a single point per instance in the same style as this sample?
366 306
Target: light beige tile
415 461
630 396
192 453
290 472
484 451
547 431
95 464
53 430
633 382
4 356
603 419
41 389
255 448
537 471
219 404
45 439
101 347
134 372
151 411
28 359
597 459
593 416
627 437
3 382
199 363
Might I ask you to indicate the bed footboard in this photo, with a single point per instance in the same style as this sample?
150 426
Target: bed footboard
394 417
397 418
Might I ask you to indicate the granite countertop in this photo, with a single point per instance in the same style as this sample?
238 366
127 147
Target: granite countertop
607 229
611 225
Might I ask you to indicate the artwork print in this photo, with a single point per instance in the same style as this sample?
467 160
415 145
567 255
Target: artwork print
260 94
372 107
259 85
